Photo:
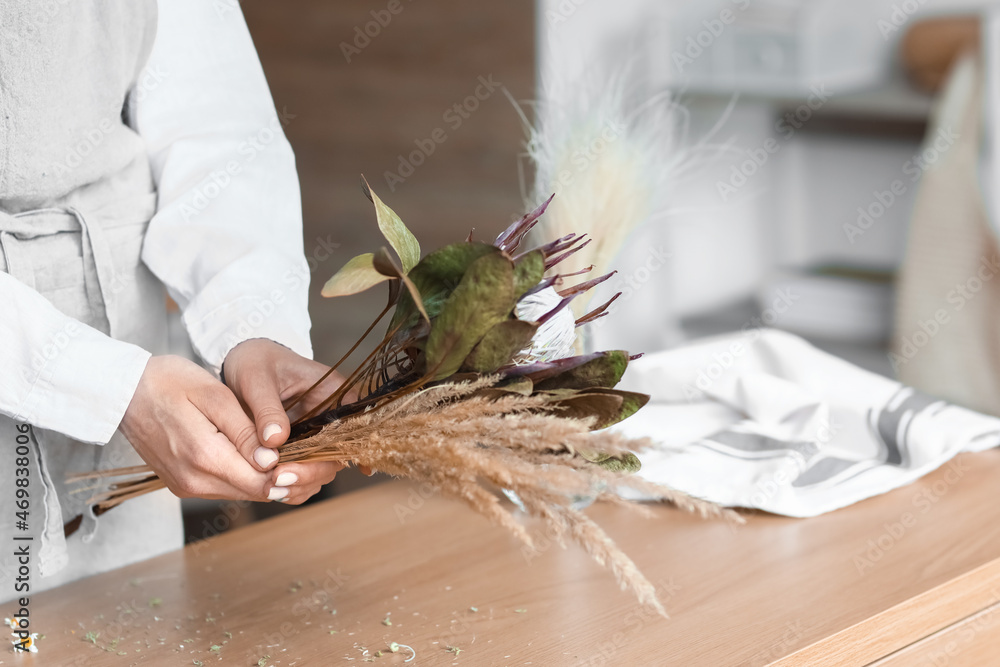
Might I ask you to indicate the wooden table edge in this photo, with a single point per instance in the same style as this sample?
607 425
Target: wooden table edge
906 623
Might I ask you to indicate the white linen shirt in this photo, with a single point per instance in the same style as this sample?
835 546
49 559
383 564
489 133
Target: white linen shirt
226 239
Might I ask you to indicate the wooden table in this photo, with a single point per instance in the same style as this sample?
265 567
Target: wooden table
910 578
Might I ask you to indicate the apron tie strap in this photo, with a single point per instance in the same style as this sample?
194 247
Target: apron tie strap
99 268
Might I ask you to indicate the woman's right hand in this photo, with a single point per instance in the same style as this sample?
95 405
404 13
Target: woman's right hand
191 429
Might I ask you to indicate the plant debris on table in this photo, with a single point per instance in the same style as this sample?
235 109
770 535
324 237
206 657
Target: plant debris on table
474 387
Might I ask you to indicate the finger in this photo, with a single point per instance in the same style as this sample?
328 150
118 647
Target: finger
232 474
365 470
295 495
304 474
262 395
218 471
295 482
224 411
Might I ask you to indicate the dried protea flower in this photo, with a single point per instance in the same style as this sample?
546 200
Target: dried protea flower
476 308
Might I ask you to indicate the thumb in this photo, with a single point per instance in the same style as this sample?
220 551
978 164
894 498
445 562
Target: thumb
260 393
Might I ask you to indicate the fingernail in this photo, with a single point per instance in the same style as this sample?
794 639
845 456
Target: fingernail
271 430
277 493
265 456
286 479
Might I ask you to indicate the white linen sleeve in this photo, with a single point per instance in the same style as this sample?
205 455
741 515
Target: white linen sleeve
226 239
60 374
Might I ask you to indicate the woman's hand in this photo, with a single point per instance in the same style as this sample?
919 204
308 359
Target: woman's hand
265 377
191 430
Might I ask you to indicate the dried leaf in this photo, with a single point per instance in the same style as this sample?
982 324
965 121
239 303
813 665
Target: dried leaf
395 232
605 408
356 276
529 272
383 264
435 276
484 298
609 406
604 370
543 370
499 345
626 462
632 402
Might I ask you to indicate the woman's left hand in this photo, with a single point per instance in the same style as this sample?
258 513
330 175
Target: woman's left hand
265 377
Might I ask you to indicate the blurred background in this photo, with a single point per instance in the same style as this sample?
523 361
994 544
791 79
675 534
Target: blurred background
836 179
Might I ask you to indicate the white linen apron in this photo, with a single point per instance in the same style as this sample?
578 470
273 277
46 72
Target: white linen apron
75 236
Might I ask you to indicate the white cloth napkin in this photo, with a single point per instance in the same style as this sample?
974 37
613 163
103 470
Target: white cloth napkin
763 419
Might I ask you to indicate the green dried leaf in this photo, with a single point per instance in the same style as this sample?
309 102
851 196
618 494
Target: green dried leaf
610 406
626 463
581 405
395 232
484 298
384 265
435 277
529 271
631 403
605 371
450 263
499 345
356 276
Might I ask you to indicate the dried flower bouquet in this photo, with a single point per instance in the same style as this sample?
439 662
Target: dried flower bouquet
474 387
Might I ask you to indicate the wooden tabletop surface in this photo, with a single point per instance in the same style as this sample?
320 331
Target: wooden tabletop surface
389 564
